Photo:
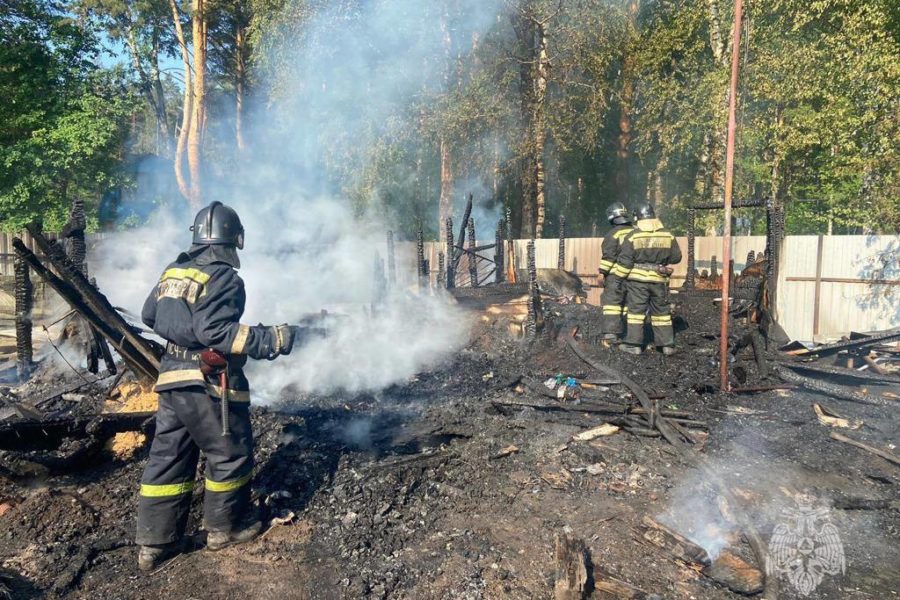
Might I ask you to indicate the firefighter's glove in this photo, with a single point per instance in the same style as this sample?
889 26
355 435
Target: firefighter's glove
282 340
664 270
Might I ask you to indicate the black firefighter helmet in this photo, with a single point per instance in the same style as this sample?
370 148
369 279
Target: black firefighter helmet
617 214
644 211
218 225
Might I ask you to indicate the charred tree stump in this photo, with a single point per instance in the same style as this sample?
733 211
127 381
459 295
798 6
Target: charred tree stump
573 577
473 256
691 264
451 253
24 295
392 264
441 275
498 253
561 260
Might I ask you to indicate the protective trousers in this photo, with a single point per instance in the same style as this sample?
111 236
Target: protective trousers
613 305
652 298
188 421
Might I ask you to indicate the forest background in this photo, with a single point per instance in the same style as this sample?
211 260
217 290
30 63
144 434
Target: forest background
549 107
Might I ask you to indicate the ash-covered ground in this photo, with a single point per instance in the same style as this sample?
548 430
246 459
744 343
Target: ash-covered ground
450 486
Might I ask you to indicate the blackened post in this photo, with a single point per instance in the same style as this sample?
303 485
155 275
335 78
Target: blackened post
691 261
462 233
561 260
420 255
535 317
441 275
24 295
498 253
713 269
74 232
451 249
392 265
473 256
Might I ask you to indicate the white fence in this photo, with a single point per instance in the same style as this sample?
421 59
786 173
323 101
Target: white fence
828 285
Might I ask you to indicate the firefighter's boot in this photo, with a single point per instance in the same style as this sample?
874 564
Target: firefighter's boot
151 557
239 535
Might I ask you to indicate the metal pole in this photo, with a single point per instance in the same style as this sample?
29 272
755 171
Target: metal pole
729 187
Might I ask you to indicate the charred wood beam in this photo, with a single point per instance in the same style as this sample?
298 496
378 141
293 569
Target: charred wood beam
20 435
841 372
893 458
24 297
828 349
498 253
473 265
420 256
137 352
659 422
561 257
691 263
441 274
835 391
462 234
535 319
451 260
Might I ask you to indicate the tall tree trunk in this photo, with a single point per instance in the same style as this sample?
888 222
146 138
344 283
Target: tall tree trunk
623 142
186 107
239 83
540 127
524 26
162 117
152 93
445 200
198 113
445 203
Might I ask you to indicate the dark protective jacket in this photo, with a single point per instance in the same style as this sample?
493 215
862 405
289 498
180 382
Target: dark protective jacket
197 304
648 247
611 247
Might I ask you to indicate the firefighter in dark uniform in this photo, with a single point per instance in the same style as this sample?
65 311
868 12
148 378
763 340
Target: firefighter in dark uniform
613 298
196 307
646 255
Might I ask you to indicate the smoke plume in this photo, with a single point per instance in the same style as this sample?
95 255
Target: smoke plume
343 83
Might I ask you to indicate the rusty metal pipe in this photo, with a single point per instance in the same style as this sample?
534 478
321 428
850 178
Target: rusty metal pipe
729 188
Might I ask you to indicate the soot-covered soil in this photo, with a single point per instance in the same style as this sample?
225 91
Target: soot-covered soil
449 487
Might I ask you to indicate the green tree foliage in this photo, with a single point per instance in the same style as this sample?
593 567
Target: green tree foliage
62 122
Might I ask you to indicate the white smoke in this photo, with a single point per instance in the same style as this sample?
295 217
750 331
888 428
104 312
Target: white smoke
354 74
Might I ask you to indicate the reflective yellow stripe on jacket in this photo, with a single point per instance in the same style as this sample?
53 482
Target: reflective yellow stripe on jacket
191 273
646 276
